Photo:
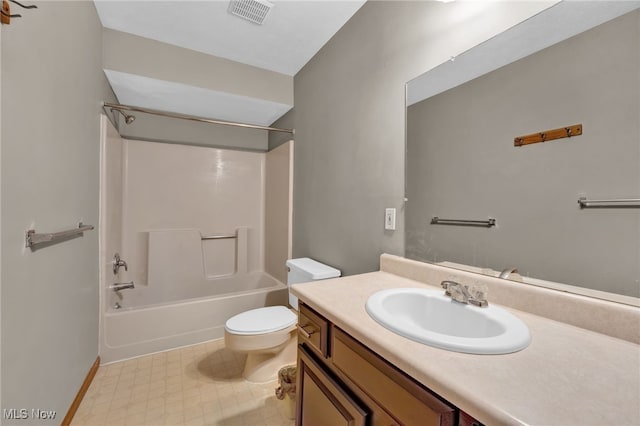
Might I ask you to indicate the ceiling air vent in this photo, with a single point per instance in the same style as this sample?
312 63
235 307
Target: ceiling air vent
255 11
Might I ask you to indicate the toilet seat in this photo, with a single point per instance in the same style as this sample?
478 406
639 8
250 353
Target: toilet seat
261 321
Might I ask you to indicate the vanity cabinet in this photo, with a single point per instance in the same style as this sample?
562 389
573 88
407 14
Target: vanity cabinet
324 401
342 382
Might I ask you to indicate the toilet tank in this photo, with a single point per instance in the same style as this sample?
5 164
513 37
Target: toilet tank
304 270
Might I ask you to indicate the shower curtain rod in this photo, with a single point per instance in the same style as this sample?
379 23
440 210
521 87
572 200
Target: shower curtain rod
194 118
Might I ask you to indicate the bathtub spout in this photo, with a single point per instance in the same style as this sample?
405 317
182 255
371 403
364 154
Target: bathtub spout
121 286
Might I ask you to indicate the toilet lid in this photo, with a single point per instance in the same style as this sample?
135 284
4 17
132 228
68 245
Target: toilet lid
261 320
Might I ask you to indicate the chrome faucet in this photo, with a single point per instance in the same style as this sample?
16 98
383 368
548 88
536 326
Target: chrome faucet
507 271
463 294
118 263
121 286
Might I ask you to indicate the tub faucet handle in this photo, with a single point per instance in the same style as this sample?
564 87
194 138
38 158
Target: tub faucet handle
118 263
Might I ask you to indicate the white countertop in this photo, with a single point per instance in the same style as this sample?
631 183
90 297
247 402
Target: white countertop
567 375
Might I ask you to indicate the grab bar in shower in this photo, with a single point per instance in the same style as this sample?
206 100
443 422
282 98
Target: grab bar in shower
619 203
461 222
33 238
217 237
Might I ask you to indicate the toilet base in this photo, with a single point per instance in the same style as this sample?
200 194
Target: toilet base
263 367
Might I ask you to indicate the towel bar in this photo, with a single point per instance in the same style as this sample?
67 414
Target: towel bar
461 222
33 238
217 237
619 203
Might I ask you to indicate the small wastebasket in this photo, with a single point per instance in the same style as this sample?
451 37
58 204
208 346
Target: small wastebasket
287 389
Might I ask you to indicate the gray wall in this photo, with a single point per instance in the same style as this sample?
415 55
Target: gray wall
462 164
52 89
349 117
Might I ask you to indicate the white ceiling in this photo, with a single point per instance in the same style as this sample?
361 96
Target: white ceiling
293 32
291 35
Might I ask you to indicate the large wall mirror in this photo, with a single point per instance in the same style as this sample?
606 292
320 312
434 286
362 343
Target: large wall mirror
576 63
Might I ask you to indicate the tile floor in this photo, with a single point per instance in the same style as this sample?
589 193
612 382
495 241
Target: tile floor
196 385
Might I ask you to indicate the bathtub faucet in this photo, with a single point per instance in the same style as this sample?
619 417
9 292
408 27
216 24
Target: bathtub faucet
121 286
118 263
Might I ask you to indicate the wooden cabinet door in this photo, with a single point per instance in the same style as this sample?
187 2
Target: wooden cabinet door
322 401
390 388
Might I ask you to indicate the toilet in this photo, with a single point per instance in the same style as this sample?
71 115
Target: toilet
268 335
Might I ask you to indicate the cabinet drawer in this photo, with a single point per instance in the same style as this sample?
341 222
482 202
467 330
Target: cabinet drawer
322 400
399 395
313 329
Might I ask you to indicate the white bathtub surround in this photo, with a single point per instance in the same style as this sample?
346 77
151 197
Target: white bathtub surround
176 187
181 253
131 332
159 202
278 210
183 266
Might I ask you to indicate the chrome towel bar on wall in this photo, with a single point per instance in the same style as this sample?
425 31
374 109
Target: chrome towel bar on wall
461 222
617 203
217 237
32 238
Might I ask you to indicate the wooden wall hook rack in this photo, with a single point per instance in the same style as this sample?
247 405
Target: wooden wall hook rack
548 135
5 12
6 15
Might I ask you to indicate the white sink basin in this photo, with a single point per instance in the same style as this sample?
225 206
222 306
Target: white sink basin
429 317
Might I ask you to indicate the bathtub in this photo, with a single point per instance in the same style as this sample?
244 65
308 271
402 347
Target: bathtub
137 329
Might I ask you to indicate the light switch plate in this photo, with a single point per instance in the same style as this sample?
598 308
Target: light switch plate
390 219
